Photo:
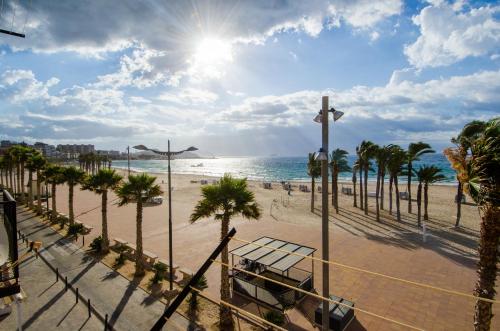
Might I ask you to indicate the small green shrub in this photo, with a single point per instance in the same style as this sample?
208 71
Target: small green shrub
120 260
96 244
75 229
274 317
159 270
61 220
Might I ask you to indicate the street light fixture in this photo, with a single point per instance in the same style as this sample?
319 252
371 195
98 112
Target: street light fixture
322 156
169 154
337 114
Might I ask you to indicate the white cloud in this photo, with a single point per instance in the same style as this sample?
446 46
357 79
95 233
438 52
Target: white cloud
165 34
189 96
363 14
21 86
400 106
448 34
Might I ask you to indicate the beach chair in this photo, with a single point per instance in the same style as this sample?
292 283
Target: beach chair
403 195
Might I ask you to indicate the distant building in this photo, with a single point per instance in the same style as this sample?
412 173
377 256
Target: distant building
47 150
113 154
72 151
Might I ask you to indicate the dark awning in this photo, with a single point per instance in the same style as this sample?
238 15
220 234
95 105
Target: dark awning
281 260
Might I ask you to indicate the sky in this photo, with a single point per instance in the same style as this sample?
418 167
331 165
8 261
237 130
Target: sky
245 78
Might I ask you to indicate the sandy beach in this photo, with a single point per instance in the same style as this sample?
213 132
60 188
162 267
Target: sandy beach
447 259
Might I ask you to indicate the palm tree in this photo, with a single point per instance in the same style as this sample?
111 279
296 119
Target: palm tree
30 166
360 169
228 198
53 175
338 164
138 189
2 170
395 166
367 149
72 176
459 154
355 168
382 155
313 170
101 183
415 151
37 163
481 180
426 175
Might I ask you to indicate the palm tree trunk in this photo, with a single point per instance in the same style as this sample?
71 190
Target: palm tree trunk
11 175
38 193
377 196
366 190
398 210
139 266
333 186
382 178
336 192
409 187
459 203
30 189
18 177
419 204
22 183
426 188
104 212
226 320
312 194
70 204
390 195
361 205
487 266
354 188
54 207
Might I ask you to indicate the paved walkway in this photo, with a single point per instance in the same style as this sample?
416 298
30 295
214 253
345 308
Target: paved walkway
47 305
128 306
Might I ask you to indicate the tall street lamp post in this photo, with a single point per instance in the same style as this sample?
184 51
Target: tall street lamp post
322 155
169 154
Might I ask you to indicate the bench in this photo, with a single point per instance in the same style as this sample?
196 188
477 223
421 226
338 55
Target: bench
403 195
119 243
87 228
203 182
187 274
150 257
372 194
347 190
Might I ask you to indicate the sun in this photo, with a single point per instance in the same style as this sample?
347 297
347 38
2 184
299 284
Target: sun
214 51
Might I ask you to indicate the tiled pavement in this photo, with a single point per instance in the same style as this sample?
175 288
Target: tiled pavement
128 306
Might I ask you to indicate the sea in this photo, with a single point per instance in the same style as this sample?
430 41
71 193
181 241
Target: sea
274 168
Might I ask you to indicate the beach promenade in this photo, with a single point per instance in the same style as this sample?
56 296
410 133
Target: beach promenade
447 259
128 307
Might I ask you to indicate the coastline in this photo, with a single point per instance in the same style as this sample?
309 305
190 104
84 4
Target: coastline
254 180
